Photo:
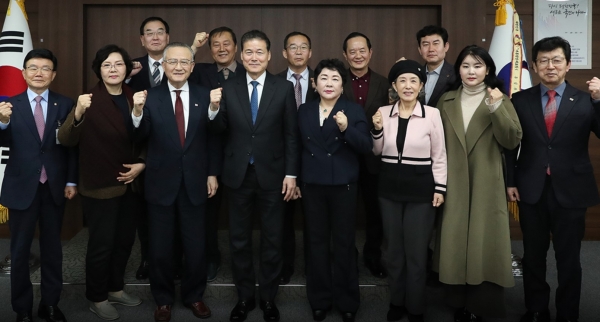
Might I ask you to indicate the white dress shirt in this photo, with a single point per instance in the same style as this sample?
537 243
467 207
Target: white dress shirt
185 98
303 81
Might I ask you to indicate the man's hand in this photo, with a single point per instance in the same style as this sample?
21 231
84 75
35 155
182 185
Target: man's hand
5 112
70 192
341 120
594 88
83 103
137 67
134 171
215 98
377 121
513 194
297 193
212 185
139 99
199 40
289 188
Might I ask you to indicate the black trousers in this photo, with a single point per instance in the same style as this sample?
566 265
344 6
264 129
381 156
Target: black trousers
541 222
111 225
269 205
22 226
373 227
289 235
162 221
213 206
330 214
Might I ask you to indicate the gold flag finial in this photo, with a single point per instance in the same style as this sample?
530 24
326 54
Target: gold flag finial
501 11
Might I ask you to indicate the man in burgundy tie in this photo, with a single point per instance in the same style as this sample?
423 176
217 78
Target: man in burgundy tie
40 175
182 164
553 179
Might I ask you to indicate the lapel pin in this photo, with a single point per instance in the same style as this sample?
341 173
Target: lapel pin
196 104
571 99
55 104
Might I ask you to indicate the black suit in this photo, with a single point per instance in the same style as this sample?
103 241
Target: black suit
272 141
28 200
554 203
207 75
445 80
141 80
377 96
311 94
175 189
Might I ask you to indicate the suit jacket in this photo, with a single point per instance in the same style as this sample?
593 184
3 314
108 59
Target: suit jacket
272 140
141 80
331 157
207 75
310 92
168 164
28 153
566 151
377 97
442 85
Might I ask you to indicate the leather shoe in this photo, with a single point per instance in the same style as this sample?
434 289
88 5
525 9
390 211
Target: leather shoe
211 271
320 315
376 268
348 316
286 275
162 313
241 309
270 311
51 313
541 316
200 310
143 270
24 317
463 315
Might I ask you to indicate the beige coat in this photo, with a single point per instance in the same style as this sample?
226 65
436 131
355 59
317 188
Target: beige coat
473 243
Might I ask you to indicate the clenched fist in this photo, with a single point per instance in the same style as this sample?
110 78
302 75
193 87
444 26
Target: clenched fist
594 88
377 121
139 99
494 95
341 120
83 103
215 98
199 41
5 112
137 67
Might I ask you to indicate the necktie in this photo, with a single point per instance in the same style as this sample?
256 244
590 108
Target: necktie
550 116
298 90
156 73
179 117
38 116
225 72
254 108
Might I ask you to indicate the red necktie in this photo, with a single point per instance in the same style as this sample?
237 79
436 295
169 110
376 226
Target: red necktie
550 116
179 117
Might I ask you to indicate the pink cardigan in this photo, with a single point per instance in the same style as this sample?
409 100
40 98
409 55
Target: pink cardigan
424 143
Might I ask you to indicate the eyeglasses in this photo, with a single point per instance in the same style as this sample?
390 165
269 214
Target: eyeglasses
183 62
159 33
34 69
107 66
556 61
294 48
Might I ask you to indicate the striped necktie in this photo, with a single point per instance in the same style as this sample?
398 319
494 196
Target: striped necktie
156 73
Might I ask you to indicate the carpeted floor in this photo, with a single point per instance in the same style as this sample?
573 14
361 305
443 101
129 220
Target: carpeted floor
291 300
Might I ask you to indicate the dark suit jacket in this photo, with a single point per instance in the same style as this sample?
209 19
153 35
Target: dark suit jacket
331 157
167 162
377 97
566 150
28 153
207 75
141 80
443 84
310 93
272 140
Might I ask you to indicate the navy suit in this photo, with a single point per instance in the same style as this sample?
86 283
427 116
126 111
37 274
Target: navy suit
175 189
29 201
445 80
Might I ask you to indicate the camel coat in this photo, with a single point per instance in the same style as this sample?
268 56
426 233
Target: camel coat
473 242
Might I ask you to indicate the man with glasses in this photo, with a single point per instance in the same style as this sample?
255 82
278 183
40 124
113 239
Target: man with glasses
297 51
40 175
182 164
553 179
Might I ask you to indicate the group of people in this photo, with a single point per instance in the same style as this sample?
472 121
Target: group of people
435 150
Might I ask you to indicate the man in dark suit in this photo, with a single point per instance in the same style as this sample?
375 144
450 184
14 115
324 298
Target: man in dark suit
553 179
258 112
433 45
183 162
369 90
39 175
297 50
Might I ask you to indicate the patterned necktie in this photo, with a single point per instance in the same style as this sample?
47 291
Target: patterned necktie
550 116
298 90
225 73
254 108
156 73
38 116
179 117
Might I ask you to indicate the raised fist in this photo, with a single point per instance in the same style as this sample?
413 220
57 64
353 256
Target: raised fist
5 112
215 98
139 99
377 121
83 103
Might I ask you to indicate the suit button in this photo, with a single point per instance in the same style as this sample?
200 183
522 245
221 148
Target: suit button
308 138
549 147
336 138
42 151
328 154
248 153
39 171
253 136
312 155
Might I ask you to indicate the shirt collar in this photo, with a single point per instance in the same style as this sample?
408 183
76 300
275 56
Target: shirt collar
260 79
560 89
438 70
184 88
365 76
232 67
419 110
32 95
304 73
151 61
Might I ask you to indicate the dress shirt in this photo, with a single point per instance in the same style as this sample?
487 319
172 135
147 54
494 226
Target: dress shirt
160 67
560 89
259 87
432 78
303 81
360 86
232 67
185 98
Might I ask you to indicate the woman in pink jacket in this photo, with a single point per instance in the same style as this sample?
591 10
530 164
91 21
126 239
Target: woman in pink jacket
412 183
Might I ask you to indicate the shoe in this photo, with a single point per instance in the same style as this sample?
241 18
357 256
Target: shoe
211 271
24 317
200 310
104 310
320 315
143 270
376 268
125 299
541 316
415 318
270 311
162 313
463 315
395 312
286 275
348 316
51 313
241 309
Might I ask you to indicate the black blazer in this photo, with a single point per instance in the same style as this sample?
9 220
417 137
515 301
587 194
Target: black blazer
311 95
566 150
331 157
167 162
28 153
207 75
377 97
443 84
141 80
272 140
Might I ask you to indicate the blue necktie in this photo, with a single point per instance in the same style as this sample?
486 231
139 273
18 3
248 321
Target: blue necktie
254 108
